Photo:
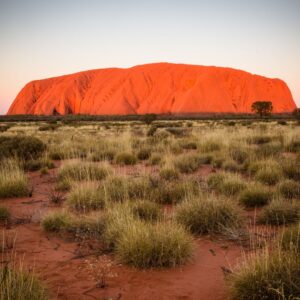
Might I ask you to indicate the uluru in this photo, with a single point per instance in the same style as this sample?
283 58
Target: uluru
160 88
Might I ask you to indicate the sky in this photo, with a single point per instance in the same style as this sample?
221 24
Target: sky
42 38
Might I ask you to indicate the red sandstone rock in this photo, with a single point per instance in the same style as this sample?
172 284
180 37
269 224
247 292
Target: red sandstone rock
154 88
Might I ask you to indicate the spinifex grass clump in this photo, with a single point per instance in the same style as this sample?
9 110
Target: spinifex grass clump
126 158
146 210
269 276
158 245
208 214
4 213
227 184
169 174
289 189
280 212
290 239
86 196
20 285
255 196
187 163
83 171
56 221
13 181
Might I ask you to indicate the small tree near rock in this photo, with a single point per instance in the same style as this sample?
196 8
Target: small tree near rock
263 108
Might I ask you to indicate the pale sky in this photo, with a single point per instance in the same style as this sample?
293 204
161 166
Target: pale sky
41 39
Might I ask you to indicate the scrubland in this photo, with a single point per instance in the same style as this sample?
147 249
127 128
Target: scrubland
148 199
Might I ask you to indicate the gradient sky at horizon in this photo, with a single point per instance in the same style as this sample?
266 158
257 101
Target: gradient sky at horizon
41 39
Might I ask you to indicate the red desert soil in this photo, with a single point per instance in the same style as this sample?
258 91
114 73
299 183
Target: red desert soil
159 88
62 263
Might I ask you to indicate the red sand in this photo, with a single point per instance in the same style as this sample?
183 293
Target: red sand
56 260
160 88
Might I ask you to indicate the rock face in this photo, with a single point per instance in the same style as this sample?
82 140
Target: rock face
160 88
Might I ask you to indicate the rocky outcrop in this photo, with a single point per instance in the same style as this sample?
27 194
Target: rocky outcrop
160 88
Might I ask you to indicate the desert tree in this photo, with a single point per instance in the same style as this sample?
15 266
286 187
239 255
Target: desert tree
263 108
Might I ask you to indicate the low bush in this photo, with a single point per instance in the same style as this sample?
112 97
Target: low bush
279 213
289 189
126 158
85 197
255 196
267 276
208 215
23 147
37 164
159 245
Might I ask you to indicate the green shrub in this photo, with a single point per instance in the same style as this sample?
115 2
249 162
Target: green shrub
159 245
289 189
56 221
267 276
125 158
208 215
169 174
146 210
279 213
23 147
255 196
85 197
35 165
13 181
20 285
4 213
